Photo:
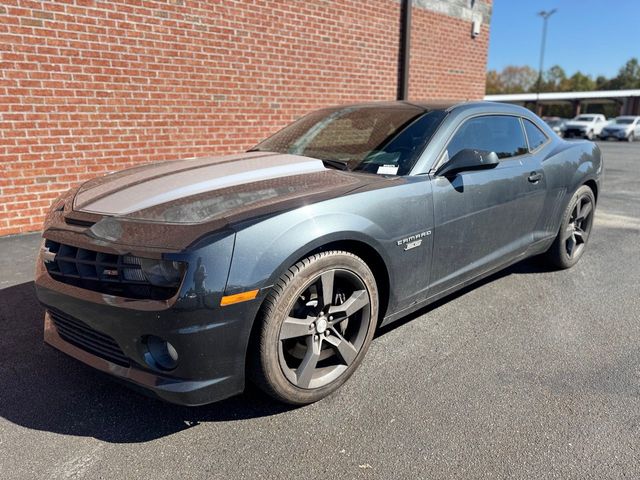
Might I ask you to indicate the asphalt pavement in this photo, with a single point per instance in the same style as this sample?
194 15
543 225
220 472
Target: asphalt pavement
531 373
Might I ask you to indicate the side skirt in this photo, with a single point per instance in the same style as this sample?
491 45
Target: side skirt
534 249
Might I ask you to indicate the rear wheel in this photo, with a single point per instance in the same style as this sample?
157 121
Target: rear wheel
575 229
316 326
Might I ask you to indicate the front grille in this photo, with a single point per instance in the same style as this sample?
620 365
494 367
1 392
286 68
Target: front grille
83 336
119 275
574 131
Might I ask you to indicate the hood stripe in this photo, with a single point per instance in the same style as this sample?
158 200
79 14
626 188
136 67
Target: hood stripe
172 187
100 187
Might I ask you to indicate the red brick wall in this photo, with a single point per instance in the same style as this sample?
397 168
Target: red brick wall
445 61
89 87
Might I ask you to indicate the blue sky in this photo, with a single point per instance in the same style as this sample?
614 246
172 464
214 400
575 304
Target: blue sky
595 37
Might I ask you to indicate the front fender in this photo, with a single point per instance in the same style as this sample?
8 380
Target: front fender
378 218
264 251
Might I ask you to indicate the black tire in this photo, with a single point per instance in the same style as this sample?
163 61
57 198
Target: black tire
335 343
575 228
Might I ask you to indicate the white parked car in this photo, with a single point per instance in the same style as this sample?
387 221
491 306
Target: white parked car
622 128
585 126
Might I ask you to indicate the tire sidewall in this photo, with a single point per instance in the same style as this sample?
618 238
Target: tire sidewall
306 271
563 259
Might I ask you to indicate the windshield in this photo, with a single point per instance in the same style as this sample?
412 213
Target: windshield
624 121
584 118
376 139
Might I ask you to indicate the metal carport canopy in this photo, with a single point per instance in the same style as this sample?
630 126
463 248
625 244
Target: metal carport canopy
568 96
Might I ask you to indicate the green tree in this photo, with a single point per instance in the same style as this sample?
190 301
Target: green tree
512 79
494 83
554 80
518 79
579 82
628 76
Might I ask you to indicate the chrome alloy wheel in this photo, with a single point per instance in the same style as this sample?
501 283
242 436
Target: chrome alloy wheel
325 329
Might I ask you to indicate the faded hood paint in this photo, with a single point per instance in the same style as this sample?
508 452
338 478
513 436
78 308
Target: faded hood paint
126 193
182 200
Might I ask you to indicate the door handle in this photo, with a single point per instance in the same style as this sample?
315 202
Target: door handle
534 177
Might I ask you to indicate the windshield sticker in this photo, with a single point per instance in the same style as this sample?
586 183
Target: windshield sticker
387 170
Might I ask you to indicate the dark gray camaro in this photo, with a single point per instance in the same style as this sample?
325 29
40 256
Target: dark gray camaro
185 277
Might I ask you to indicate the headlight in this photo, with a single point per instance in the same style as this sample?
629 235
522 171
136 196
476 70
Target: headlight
162 273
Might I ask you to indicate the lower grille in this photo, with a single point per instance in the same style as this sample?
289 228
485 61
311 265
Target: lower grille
574 131
83 336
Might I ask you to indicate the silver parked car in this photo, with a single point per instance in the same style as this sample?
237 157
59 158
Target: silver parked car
622 128
557 124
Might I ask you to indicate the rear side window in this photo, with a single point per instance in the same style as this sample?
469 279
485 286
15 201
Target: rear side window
501 134
534 134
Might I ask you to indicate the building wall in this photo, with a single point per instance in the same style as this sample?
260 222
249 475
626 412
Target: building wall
89 87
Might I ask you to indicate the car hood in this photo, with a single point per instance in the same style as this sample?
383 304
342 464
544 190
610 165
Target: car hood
618 127
210 192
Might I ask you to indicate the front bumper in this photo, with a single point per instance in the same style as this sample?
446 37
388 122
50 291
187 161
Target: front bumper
618 134
211 341
171 389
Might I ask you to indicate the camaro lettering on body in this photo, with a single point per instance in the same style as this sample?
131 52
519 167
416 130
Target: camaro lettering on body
413 241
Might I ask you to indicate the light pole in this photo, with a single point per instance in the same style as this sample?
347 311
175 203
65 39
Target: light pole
545 16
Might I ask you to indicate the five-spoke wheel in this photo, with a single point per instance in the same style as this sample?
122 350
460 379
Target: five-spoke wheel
577 230
325 329
577 221
318 322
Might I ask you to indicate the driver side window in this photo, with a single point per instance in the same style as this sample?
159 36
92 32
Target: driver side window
501 134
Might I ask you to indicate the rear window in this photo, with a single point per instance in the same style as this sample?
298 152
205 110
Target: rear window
535 136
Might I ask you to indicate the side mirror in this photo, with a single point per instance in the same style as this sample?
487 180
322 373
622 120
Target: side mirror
469 159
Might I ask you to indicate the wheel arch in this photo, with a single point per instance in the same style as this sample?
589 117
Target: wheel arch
370 256
348 243
591 183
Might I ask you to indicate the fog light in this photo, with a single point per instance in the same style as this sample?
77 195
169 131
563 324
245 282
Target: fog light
163 354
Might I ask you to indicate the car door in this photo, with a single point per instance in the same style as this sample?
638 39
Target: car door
484 218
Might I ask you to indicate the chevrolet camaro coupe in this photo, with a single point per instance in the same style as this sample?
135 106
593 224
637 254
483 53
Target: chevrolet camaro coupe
188 278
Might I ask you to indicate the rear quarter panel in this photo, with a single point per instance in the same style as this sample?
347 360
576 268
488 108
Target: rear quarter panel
567 166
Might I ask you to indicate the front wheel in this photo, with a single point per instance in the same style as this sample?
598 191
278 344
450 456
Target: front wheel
575 229
316 326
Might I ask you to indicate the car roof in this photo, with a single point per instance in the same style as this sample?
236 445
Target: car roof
447 105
